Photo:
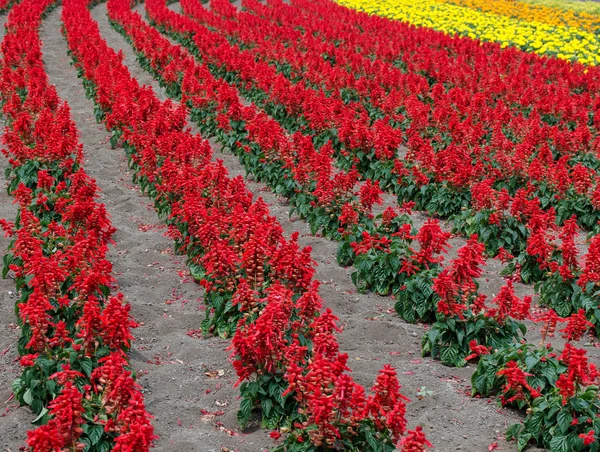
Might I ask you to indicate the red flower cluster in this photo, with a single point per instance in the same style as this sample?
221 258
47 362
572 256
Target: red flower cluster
588 438
415 441
509 305
579 372
591 270
456 284
577 326
516 383
477 350
58 257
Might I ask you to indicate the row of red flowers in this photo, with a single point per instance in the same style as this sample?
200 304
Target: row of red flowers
259 286
75 334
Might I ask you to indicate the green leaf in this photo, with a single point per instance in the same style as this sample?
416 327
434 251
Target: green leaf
574 442
523 441
449 355
223 331
267 406
41 415
28 397
95 433
253 389
563 420
513 431
86 366
37 405
373 444
559 444
244 412
7 259
451 324
530 362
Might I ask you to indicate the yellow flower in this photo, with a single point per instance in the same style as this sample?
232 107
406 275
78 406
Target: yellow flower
540 34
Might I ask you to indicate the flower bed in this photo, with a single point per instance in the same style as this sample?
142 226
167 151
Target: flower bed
75 333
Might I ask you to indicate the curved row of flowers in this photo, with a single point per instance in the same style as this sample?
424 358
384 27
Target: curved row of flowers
284 348
534 13
554 388
590 8
74 333
564 42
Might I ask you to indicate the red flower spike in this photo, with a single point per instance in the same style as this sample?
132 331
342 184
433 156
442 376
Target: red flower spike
415 441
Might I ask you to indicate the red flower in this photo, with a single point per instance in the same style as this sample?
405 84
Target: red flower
66 411
588 438
388 403
370 194
415 441
477 350
509 305
28 360
349 216
432 241
577 325
591 271
46 438
515 382
579 372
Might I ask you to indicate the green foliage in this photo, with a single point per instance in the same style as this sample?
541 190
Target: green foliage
528 267
449 337
509 234
566 297
415 300
551 421
581 206
437 199
366 438
557 427
379 271
265 394
540 362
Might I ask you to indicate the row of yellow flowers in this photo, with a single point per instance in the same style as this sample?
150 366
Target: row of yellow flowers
568 43
533 13
578 6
